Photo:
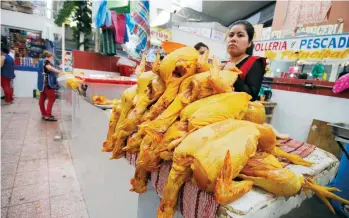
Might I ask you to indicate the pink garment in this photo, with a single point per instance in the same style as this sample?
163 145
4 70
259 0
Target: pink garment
341 84
119 26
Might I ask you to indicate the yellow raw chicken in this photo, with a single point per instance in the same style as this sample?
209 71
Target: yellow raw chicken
100 100
114 117
203 154
149 88
255 113
204 114
127 104
266 172
173 69
193 88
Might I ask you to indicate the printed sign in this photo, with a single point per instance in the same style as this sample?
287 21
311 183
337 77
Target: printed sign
319 48
321 30
160 34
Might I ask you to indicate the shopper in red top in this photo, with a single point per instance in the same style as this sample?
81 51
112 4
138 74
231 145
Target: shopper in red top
7 74
47 80
240 47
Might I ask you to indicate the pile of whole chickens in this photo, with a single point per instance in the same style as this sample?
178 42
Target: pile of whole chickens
186 110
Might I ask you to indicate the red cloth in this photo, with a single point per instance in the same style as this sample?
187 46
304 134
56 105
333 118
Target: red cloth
51 96
8 90
245 68
195 203
119 26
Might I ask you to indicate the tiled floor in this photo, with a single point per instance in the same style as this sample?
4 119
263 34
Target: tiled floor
38 178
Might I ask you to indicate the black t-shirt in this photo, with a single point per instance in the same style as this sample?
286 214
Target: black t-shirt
253 80
46 71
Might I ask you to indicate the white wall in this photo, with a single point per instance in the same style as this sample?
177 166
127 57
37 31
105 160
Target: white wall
24 83
217 48
30 21
295 112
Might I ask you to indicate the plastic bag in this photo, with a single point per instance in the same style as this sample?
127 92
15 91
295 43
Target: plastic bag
101 14
341 84
126 62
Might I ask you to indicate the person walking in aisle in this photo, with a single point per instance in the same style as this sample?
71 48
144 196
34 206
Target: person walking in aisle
7 74
47 83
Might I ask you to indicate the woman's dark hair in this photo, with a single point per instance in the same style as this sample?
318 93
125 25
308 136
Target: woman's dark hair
5 50
199 45
250 33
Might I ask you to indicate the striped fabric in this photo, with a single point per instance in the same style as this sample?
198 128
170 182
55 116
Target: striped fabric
140 17
195 203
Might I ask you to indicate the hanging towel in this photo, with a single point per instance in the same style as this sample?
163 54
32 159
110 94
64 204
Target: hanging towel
119 26
140 16
119 6
108 44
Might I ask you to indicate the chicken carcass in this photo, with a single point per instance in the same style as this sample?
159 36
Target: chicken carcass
113 120
208 110
202 155
193 88
149 88
173 69
266 172
127 103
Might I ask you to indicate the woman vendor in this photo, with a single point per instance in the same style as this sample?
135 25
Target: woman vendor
240 48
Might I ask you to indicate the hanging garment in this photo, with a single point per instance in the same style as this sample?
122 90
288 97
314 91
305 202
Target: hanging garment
119 6
103 16
108 44
129 23
119 26
140 17
126 39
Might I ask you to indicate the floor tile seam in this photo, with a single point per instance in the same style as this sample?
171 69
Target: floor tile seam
29 202
48 171
72 213
17 165
7 126
38 183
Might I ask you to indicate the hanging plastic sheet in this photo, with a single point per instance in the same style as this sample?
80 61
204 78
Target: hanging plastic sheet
119 6
103 17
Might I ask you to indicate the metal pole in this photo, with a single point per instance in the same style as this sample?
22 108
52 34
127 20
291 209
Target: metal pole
63 46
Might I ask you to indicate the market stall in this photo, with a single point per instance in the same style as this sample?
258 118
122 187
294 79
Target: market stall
108 181
300 92
183 140
26 47
89 132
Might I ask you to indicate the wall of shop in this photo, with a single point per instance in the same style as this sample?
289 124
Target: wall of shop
217 48
32 22
295 111
339 9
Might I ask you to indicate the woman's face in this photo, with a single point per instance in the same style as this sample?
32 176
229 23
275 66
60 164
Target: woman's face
51 59
237 41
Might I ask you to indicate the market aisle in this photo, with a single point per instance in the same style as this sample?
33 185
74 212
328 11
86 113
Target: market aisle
38 178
